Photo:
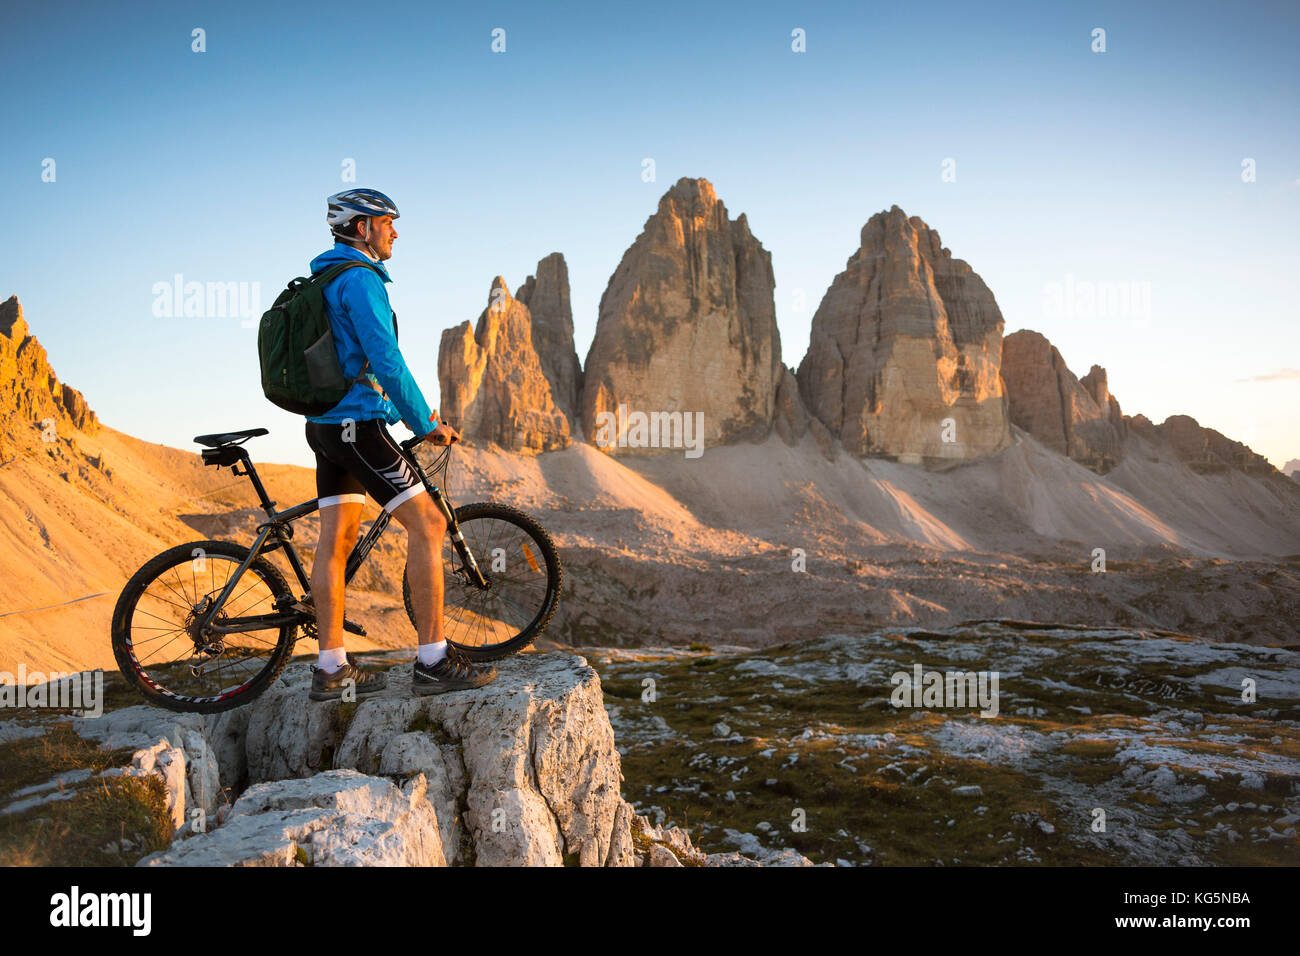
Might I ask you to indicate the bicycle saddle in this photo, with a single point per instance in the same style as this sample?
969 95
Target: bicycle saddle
226 438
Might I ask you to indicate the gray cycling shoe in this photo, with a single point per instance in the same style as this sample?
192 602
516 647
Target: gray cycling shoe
333 686
453 672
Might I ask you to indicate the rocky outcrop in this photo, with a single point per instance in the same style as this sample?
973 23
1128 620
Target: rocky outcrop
1206 450
513 379
687 326
346 818
1080 419
1097 386
547 296
905 348
1292 469
791 420
335 818
29 389
525 773
669 846
173 746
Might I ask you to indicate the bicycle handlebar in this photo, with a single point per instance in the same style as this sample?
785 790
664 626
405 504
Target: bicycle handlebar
417 440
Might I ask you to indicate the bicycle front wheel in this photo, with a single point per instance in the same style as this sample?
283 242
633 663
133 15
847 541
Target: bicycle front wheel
524 576
158 644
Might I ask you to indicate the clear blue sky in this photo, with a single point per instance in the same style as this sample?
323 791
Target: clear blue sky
1123 166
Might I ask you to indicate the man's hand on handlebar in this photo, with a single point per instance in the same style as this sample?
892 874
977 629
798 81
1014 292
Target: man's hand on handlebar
444 434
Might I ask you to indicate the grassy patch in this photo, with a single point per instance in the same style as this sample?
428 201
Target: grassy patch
346 713
104 822
421 723
642 844
905 811
33 760
804 743
1092 749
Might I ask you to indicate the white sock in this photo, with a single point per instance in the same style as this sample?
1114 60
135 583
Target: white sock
332 659
430 654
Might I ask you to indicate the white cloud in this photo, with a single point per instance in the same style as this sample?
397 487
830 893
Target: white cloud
1281 375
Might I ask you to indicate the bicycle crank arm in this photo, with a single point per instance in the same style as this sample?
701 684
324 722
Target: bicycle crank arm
308 611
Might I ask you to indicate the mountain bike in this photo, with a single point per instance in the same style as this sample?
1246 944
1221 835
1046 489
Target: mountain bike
207 626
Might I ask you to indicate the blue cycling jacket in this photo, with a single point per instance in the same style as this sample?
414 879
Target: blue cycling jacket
362 320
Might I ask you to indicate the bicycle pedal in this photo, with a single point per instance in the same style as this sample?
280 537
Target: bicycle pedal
353 628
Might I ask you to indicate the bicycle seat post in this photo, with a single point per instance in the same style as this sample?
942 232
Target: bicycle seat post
267 504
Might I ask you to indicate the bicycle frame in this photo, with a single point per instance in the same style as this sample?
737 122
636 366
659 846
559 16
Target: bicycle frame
276 533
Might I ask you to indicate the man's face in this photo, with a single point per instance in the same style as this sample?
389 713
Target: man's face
381 232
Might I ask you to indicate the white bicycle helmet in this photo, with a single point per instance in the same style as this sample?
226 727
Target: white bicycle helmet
351 203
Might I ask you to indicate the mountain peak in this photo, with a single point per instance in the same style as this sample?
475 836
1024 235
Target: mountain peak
11 319
512 378
30 392
694 190
1075 417
903 355
686 327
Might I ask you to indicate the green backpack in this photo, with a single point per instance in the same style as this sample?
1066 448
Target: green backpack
295 346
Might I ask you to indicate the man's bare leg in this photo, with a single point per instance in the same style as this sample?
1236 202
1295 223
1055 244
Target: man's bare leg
425 528
436 670
340 526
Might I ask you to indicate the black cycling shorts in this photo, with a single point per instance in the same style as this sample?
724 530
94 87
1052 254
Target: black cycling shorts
372 462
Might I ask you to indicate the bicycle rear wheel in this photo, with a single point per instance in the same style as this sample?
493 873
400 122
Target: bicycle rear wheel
156 640
519 560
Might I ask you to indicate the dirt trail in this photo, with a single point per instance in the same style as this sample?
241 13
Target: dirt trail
50 607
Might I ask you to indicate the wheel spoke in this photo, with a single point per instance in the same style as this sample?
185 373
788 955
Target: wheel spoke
517 596
169 654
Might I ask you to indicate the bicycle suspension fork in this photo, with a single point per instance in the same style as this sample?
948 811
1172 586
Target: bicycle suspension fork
476 576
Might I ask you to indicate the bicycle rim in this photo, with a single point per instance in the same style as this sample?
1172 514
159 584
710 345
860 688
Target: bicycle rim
156 639
520 562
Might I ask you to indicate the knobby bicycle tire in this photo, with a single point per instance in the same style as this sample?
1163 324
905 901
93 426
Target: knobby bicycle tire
555 579
153 569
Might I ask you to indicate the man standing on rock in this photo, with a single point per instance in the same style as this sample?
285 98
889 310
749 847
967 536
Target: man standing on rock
355 454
